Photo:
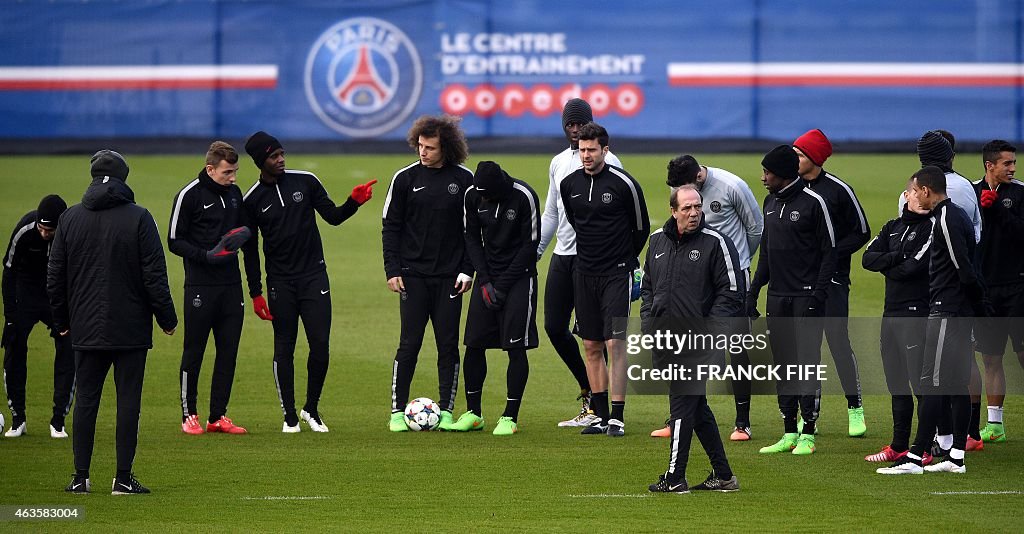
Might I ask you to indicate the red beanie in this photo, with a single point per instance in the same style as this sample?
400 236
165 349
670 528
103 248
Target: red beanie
815 146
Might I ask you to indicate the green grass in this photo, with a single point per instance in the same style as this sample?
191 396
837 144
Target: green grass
366 479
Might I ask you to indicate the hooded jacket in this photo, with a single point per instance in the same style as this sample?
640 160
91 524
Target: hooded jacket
107 278
24 262
901 253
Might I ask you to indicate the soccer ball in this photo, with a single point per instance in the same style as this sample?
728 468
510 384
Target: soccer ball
422 414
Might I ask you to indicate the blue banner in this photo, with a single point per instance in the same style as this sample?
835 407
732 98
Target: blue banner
872 70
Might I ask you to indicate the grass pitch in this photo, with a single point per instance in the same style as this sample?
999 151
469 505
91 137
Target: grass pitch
360 477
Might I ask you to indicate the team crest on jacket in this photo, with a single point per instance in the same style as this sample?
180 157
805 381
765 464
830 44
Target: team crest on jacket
363 77
911 236
716 206
234 202
297 196
794 216
606 198
1007 203
197 302
453 188
510 215
694 255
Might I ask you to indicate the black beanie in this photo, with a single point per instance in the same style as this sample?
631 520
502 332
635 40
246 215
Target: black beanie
491 181
577 111
783 162
934 149
50 210
107 163
259 147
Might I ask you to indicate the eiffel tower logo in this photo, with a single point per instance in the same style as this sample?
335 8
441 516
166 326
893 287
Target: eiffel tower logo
363 87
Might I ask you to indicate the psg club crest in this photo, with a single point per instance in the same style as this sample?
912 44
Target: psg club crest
606 198
1007 203
694 255
453 188
297 196
716 206
197 302
794 216
363 77
510 215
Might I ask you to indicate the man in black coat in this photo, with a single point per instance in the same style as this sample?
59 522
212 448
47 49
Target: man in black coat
107 280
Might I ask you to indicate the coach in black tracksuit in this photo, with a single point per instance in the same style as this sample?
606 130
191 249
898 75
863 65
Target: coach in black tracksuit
25 304
956 295
900 252
502 234
606 207
106 281
691 271
424 257
282 205
204 212
797 261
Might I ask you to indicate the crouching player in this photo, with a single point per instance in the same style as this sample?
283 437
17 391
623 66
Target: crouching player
502 234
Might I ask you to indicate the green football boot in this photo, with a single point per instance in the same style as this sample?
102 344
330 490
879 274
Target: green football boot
467 422
993 433
804 445
857 426
786 444
446 421
397 423
506 427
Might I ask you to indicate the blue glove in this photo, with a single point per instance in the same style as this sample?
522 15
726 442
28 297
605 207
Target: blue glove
638 276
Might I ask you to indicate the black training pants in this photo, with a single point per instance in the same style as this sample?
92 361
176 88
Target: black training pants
307 298
691 414
217 309
129 369
559 300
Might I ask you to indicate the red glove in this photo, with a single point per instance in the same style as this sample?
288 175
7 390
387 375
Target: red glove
363 192
259 305
988 197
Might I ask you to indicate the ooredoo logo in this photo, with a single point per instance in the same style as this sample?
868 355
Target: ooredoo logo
363 77
540 100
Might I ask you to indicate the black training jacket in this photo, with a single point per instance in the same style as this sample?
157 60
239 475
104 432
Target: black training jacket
24 261
901 253
693 275
1002 234
107 278
502 235
952 275
609 214
851 224
284 212
203 211
422 225
798 247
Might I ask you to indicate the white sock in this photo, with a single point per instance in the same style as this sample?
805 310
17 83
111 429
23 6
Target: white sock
995 414
946 441
956 454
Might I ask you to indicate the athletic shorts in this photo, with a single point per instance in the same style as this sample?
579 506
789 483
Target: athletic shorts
514 326
602 305
1008 321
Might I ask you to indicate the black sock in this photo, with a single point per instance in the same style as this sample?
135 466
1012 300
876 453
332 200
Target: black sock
743 411
617 408
853 401
974 429
789 423
123 475
82 474
599 403
516 376
808 428
474 367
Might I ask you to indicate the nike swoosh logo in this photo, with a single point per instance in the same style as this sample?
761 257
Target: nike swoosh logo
266 208
44 221
656 256
124 486
418 188
481 211
324 291
76 486
673 488
897 233
454 296
515 340
770 212
574 196
205 207
911 346
614 333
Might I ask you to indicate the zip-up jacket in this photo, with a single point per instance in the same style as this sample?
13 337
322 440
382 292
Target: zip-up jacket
423 232
798 247
962 193
953 278
502 235
691 275
609 214
901 253
283 212
730 208
203 211
1002 234
553 222
851 225
107 278
24 261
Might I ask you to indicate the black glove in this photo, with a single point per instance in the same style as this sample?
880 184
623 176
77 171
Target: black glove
751 305
8 335
978 300
493 299
818 303
227 247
